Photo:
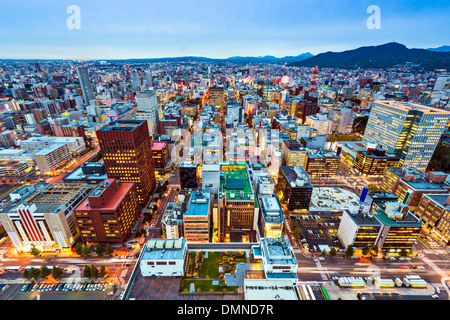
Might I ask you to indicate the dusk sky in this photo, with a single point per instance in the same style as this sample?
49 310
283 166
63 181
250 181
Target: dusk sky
213 28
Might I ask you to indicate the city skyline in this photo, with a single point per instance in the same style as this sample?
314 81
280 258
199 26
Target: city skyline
161 29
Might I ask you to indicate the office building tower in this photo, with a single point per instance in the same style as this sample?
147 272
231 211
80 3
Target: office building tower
264 89
135 80
320 122
50 160
409 131
294 188
172 220
149 78
434 211
85 83
211 178
126 150
271 216
389 225
409 184
108 213
342 119
322 164
236 204
149 110
196 220
188 174
217 96
374 161
160 155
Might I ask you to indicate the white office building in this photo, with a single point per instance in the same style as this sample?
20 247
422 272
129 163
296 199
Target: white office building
163 258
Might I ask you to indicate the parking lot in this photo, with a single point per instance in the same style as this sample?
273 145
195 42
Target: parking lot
57 291
318 229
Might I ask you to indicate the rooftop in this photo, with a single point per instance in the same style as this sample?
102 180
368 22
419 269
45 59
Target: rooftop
278 251
332 198
122 125
199 204
164 249
292 174
410 220
235 182
440 199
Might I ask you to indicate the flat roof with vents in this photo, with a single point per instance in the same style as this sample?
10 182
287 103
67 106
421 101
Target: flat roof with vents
165 249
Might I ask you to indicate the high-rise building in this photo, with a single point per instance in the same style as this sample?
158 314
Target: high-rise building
188 174
149 77
322 164
217 96
160 155
108 213
85 83
434 211
196 220
374 161
271 216
53 158
409 184
342 119
389 225
409 131
236 203
126 150
294 187
148 109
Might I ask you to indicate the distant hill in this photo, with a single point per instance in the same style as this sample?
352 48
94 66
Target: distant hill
382 56
235 59
300 57
440 49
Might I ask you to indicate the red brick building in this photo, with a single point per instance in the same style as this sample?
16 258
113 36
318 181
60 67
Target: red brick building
108 213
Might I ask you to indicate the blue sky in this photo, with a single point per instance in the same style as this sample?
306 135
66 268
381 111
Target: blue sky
213 28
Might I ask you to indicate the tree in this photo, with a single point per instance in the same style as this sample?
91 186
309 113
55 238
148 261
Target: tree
34 273
45 272
323 253
109 250
79 249
85 251
374 250
57 272
35 251
99 249
94 271
87 272
332 252
103 271
372 187
366 250
349 251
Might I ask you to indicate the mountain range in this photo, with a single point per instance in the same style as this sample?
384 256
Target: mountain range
382 56
235 59
440 49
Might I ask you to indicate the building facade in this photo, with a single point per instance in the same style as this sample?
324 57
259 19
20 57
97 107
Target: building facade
126 150
409 131
108 213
